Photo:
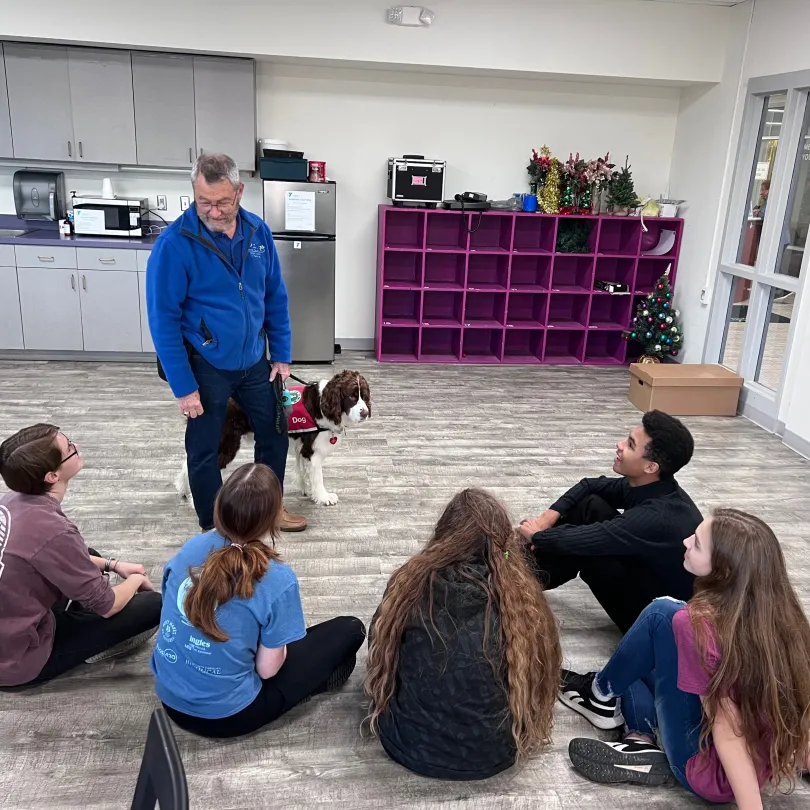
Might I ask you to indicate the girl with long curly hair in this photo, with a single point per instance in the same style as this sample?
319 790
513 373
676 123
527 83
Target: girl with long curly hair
464 656
715 692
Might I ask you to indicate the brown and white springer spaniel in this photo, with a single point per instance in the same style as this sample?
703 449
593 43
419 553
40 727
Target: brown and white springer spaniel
320 413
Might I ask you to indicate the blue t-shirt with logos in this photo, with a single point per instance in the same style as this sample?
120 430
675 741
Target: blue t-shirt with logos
205 678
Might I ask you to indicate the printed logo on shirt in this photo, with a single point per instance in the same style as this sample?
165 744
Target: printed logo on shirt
198 645
202 669
184 588
169 655
5 533
169 630
256 251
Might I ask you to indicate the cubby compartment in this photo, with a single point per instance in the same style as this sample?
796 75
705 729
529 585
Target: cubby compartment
402 269
399 344
649 271
605 348
404 230
401 307
614 268
482 345
441 345
572 273
484 309
490 232
526 309
441 308
487 271
619 237
446 231
610 311
568 311
661 237
445 270
576 235
534 233
523 346
530 273
565 346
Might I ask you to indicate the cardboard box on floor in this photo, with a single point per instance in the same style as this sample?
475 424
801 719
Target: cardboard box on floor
679 389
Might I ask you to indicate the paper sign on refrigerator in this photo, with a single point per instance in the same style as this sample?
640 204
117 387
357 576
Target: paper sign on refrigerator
299 211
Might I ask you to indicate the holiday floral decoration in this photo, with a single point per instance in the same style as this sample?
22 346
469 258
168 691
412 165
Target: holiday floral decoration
598 173
575 186
656 324
539 166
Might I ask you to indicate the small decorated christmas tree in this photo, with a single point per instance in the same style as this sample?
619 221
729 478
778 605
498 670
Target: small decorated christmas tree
622 197
549 196
656 325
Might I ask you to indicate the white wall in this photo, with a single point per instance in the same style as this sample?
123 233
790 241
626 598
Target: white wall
484 128
631 39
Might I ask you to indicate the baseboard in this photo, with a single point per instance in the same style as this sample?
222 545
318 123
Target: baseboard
356 344
758 417
32 355
796 443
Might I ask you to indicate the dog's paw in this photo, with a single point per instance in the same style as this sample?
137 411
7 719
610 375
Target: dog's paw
326 498
305 487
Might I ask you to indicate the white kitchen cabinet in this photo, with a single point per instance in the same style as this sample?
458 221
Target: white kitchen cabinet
39 101
6 150
163 84
146 335
225 108
102 105
111 313
11 334
50 307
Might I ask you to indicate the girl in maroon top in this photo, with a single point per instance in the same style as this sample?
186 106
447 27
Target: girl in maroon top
716 692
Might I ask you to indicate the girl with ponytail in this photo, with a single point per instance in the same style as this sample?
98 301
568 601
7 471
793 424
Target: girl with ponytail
233 652
464 656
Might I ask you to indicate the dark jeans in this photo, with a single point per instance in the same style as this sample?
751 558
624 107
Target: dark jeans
644 673
255 395
310 663
610 580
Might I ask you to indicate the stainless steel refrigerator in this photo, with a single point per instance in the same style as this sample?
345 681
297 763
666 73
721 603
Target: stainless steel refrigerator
302 219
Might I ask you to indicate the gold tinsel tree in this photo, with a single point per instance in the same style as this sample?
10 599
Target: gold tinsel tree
549 197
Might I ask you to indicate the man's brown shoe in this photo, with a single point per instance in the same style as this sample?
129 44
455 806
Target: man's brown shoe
292 523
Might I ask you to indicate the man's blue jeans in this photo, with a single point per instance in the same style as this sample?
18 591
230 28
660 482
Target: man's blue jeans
643 672
254 393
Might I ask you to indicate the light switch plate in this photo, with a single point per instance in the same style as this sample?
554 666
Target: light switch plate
161 202
184 203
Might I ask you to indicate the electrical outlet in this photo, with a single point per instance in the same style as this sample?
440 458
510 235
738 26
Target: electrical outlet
184 203
161 202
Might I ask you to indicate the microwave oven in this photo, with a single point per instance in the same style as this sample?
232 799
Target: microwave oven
99 216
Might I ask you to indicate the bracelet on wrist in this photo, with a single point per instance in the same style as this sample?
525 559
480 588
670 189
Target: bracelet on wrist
107 565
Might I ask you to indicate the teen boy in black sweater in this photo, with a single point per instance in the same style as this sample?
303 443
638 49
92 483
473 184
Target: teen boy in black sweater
627 558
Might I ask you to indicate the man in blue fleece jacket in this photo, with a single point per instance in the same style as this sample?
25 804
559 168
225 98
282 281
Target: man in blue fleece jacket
214 293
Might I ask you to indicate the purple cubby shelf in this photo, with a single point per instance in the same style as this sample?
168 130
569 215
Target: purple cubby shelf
565 347
401 307
619 236
442 308
526 310
485 310
605 348
523 346
491 233
451 288
487 271
566 311
402 269
610 312
445 271
534 233
441 345
572 273
482 345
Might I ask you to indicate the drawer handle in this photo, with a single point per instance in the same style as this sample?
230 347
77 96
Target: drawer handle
72 282
107 261
70 150
46 258
81 154
84 282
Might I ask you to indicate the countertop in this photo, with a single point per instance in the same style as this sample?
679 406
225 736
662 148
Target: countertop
49 236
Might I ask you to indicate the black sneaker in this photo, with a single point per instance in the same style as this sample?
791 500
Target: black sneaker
576 692
632 761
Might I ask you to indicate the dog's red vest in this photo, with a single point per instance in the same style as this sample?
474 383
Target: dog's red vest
299 419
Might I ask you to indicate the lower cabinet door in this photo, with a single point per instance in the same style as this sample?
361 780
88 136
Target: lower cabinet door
111 312
51 311
11 334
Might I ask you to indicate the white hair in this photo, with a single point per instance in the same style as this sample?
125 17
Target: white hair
216 167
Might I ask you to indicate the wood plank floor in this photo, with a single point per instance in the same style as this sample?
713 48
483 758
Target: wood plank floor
526 433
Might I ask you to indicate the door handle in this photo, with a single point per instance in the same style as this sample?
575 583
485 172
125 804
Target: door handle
80 149
84 283
72 282
51 206
191 154
70 150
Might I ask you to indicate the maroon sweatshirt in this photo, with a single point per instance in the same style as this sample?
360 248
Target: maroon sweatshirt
43 558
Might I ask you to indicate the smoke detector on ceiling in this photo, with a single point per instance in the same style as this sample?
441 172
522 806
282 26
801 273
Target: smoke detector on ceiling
410 15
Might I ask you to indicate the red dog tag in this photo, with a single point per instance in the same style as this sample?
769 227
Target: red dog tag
333 440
